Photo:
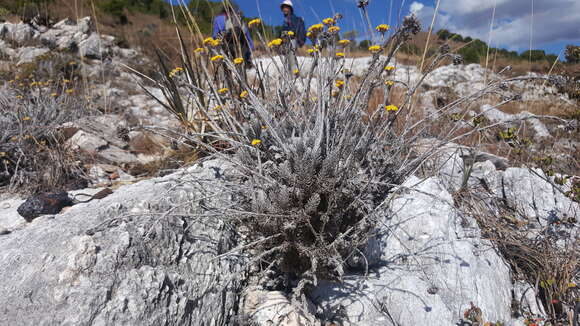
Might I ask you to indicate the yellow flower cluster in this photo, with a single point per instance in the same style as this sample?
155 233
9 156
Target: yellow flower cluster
290 33
275 43
70 91
223 90
329 21
389 83
253 22
315 28
391 108
383 28
374 48
26 119
217 58
334 29
313 50
199 50
344 42
390 68
244 94
339 54
210 41
339 83
296 72
175 71
256 142
238 61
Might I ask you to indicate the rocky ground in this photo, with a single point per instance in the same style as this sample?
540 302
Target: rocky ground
137 258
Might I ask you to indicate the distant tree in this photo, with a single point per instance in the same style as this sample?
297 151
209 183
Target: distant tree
364 44
469 54
533 55
444 34
572 53
467 39
551 58
456 38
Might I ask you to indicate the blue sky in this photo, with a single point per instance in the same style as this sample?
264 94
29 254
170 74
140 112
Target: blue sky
550 24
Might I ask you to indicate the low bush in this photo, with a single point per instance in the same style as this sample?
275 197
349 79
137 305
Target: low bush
316 159
32 155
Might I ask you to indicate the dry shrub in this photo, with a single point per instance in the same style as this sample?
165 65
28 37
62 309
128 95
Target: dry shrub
546 257
32 155
317 154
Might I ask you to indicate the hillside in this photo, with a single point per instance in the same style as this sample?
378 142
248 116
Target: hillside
352 188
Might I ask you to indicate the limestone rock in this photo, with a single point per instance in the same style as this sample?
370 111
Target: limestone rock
428 267
95 47
117 261
18 33
29 54
274 308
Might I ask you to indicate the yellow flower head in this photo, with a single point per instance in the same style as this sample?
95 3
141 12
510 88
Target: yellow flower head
256 142
217 58
244 94
216 43
389 83
65 81
296 72
238 61
339 83
334 29
199 50
374 48
290 33
329 21
309 34
315 28
54 94
264 127
26 118
344 42
208 41
223 90
175 71
339 54
390 68
253 22
391 108
313 50
383 28
19 97
275 43
217 107
70 91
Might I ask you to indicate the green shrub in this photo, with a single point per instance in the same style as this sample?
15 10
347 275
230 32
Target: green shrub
572 54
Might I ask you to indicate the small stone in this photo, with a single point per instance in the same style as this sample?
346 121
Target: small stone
44 204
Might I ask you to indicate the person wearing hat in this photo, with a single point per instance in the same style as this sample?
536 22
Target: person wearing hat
294 24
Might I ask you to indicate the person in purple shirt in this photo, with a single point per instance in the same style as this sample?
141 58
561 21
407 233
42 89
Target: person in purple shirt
230 27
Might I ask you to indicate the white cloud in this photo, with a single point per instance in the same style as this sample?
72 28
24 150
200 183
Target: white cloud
416 6
552 21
